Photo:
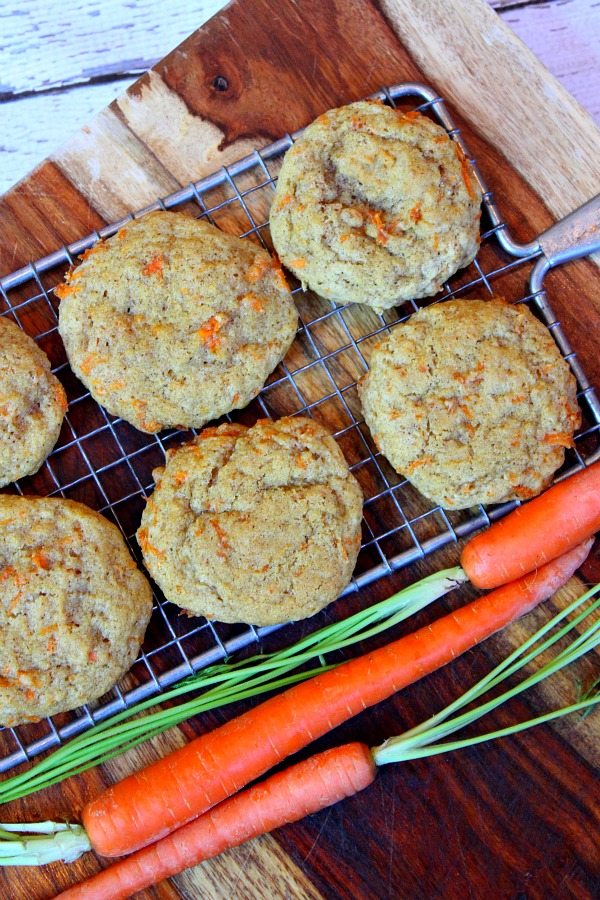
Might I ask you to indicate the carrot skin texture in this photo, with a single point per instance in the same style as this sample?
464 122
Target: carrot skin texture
305 788
165 795
532 535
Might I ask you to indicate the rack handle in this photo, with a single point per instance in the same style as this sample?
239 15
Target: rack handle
578 234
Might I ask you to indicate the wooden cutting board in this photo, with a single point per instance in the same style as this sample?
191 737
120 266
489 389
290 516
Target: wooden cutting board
517 818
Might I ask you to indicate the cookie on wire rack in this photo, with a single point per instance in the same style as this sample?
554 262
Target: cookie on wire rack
375 206
73 607
171 322
472 402
32 404
258 525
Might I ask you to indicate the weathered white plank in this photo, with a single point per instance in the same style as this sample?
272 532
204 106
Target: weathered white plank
33 127
566 37
51 43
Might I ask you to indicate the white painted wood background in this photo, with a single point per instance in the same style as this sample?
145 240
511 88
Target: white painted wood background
61 61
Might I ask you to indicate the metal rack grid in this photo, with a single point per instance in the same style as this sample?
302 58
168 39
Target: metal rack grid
103 461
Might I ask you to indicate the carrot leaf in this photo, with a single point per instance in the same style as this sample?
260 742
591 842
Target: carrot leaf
426 739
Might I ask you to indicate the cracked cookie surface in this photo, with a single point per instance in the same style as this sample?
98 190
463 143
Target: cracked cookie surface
257 525
171 322
472 402
374 206
32 404
73 607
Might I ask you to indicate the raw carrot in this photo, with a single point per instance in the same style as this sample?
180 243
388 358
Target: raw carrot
285 797
329 777
541 530
164 796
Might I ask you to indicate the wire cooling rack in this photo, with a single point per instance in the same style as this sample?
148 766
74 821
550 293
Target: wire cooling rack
105 462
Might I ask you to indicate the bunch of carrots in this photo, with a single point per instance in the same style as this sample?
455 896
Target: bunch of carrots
524 558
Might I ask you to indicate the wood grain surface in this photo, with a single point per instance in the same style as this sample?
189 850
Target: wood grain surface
64 60
516 818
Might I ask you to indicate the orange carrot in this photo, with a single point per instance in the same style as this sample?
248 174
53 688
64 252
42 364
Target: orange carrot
155 801
532 535
285 797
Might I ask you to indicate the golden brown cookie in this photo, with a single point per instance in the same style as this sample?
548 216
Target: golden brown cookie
73 607
32 404
472 402
257 525
374 206
171 323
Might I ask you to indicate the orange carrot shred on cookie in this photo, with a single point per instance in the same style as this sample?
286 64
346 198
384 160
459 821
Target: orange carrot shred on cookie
559 439
377 220
466 171
40 559
63 290
279 273
258 269
221 534
155 266
253 301
209 330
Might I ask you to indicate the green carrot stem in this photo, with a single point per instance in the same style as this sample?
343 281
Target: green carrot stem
516 659
435 749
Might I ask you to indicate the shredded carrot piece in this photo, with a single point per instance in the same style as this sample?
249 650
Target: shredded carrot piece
559 439
90 361
254 301
60 397
147 547
285 200
48 629
258 269
221 534
98 247
279 274
518 398
180 478
15 601
155 266
92 656
377 220
8 572
298 263
418 462
40 559
411 114
209 330
11 572
121 233
150 548
51 645
524 493
466 171
415 213
63 290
